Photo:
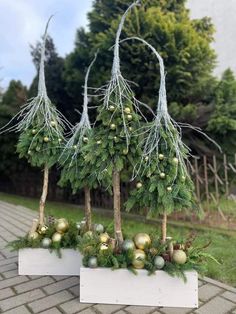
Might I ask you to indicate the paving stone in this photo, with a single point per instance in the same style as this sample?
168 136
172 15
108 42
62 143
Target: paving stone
230 296
208 291
8 267
87 311
18 310
217 305
172 310
21 299
58 278
8 261
75 290
12 281
6 293
74 306
61 285
53 310
108 308
9 254
120 312
50 301
33 284
11 273
139 309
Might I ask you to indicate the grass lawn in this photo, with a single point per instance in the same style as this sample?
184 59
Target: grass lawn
223 246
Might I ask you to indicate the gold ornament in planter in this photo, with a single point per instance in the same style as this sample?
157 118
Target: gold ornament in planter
62 225
33 235
179 257
142 240
139 259
42 229
56 237
104 237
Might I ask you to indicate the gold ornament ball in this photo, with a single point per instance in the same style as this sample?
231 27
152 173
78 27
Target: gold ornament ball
111 108
46 139
33 235
59 140
130 129
99 142
142 240
75 146
43 229
34 131
29 152
139 259
53 123
169 188
103 246
62 225
56 237
129 117
127 110
104 237
179 257
162 175
85 139
183 178
161 156
113 126
175 161
146 158
125 151
139 185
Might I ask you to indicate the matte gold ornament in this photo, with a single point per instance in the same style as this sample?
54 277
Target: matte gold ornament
129 117
53 123
42 229
113 126
142 240
169 188
161 156
111 108
33 131
175 161
33 235
139 185
85 139
103 246
62 225
162 175
104 237
179 257
139 259
56 237
46 139
127 110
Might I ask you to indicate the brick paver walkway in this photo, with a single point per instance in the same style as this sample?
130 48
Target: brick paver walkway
60 294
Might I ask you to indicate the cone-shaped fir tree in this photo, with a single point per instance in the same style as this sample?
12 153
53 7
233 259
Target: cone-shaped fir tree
41 128
164 183
112 148
75 171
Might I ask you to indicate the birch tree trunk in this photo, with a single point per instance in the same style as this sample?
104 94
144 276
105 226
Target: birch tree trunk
164 227
116 205
43 196
87 209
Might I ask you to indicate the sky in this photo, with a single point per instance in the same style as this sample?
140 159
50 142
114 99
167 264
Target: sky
22 23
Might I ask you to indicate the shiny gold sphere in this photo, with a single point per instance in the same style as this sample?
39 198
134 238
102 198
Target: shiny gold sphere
169 188
53 123
113 126
175 161
104 237
103 246
85 139
142 240
56 237
62 225
146 158
125 151
127 110
33 235
162 175
75 146
42 229
111 108
59 140
161 156
34 131
46 139
130 129
129 117
99 142
179 257
139 259
139 185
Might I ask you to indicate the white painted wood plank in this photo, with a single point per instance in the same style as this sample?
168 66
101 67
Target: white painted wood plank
102 285
42 262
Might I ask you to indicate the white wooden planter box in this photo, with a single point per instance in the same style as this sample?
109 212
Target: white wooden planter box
103 285
43 262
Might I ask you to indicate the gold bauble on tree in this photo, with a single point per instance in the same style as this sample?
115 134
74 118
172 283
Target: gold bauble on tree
33 235
111 108
56 237
162 175
127 110
75 146
161 156
33 131
46 139
85 139
139 259
175 161
53 123
139 185
142 240
62 225
169 188
113 126
129 117
104 237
